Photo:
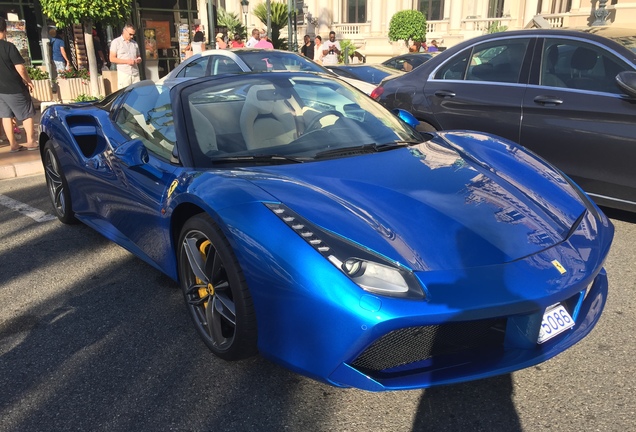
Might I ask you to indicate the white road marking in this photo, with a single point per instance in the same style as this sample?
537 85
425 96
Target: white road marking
27 210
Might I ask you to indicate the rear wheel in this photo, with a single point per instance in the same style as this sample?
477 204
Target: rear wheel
215 290
57 185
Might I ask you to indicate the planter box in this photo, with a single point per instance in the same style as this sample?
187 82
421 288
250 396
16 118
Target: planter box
42 92
71 88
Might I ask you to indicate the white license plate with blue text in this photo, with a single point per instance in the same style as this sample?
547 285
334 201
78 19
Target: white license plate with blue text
555 321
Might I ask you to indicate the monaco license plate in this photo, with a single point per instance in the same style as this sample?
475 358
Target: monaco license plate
555 321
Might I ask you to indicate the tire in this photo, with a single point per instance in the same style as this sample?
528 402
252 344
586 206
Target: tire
215 290
57 186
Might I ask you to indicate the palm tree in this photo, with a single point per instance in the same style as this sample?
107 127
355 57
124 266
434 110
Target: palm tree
232 22
279 16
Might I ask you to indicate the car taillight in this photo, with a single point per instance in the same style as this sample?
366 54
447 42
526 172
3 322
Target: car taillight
377 92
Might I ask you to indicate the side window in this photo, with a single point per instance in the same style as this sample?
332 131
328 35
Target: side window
579 65
498 61
222 65
146 114
455 68
195 68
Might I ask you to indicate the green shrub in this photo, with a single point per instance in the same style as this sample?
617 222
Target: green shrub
37 74
407 24
86 98
74 73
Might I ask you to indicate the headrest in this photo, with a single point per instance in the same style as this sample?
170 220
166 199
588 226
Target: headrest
583 59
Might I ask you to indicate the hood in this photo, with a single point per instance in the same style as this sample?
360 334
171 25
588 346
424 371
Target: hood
433 206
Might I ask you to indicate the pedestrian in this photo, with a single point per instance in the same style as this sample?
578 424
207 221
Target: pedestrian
308 47
433 47
58 51
318 49
124 52
198 42
264 42
15 88
220 43
237 42
256 35
99 51
331 50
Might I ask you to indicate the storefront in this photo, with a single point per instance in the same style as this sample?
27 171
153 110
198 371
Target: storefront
164 28
24 28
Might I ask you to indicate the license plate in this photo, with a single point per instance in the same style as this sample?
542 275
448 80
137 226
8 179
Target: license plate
555 321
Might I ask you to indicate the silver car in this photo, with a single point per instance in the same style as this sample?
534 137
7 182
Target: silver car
217 61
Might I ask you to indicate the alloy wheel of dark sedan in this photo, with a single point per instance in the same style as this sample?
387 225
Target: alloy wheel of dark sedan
215 291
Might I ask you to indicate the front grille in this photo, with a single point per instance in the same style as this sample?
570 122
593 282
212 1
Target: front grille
416 344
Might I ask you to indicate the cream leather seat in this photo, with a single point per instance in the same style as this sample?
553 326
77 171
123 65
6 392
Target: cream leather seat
266 119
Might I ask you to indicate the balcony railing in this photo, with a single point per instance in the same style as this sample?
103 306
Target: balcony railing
352 29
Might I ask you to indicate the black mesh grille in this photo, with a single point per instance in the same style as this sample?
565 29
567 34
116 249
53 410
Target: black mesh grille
414 344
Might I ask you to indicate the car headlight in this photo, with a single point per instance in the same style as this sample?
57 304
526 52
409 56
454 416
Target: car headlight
369 270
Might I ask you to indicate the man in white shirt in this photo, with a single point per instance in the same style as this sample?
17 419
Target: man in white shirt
256 35
331 50
124 52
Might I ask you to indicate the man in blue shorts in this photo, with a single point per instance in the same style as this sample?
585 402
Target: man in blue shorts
15 85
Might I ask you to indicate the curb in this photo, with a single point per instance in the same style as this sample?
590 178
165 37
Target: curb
21 169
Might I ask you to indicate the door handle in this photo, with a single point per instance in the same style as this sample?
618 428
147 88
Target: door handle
548 100
445 93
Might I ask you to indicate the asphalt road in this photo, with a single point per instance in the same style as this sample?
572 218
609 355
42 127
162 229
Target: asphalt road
93 339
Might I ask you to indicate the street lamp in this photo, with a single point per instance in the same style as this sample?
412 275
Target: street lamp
245 4
306 13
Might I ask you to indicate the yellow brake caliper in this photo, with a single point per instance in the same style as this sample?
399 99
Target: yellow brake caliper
209 290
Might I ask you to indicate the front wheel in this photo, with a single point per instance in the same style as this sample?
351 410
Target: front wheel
57 185
215 290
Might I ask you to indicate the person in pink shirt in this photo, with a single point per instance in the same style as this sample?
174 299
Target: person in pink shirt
263 42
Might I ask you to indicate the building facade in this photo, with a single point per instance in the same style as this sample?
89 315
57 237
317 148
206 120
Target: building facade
366 22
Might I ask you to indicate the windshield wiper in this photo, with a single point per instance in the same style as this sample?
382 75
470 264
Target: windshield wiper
348 151
258 158
363 149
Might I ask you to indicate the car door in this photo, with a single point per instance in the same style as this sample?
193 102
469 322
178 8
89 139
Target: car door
143 171
481 88
575 116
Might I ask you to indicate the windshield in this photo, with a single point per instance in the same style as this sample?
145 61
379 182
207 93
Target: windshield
294 117
266 61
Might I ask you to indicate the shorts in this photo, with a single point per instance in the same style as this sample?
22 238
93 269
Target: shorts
60 65
18 105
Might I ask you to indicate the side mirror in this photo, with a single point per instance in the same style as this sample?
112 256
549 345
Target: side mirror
406 117
626 81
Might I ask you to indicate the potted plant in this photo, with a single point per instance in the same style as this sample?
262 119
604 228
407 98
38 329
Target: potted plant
42 90
74 82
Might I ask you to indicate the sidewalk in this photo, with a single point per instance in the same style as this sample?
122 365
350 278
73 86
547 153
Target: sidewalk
22 163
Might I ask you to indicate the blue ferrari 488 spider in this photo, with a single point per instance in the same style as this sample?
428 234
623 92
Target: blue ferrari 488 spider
306 222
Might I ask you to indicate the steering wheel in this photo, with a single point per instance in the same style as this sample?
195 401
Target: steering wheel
316 120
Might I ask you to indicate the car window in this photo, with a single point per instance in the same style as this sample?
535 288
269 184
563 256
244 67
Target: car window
146 114
266 60
579 65
220 65
297 116
498 61
454 68
194 69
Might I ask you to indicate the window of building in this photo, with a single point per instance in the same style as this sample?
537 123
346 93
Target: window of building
495 8
356 11
432 9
